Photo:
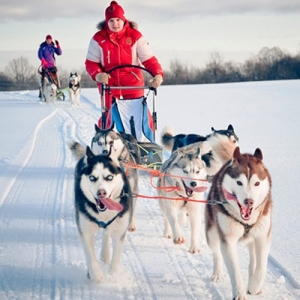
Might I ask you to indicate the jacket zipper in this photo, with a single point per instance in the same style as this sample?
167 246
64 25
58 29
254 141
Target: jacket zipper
108 57
135 75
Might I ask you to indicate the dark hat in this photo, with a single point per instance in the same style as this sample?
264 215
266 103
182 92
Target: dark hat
114 11
48 37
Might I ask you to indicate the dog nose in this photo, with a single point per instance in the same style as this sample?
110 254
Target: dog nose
104 151
102 193
193 184
249 202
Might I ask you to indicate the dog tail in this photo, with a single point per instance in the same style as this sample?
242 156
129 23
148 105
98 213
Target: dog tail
78 151
167 138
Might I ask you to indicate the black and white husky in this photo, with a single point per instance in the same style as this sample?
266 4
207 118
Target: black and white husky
181 186
102 200
125 151
216 148
74 88
242 212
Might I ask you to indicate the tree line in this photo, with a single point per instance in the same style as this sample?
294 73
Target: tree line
268 64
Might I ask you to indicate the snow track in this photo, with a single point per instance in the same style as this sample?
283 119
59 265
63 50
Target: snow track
40 252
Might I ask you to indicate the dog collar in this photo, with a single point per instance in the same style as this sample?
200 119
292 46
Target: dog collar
102 224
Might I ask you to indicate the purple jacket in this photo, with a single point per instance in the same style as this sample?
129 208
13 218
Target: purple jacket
46 52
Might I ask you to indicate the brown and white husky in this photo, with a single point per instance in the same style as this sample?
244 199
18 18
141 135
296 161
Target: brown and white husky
241 192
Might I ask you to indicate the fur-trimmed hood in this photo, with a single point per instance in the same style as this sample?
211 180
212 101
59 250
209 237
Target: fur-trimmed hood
132 24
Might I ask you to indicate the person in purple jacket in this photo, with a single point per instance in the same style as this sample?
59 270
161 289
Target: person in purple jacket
46 53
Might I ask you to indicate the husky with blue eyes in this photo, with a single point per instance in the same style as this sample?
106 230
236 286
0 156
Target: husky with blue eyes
183 183
103 199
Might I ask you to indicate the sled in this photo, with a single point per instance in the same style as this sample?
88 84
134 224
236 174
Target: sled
134 117
52 78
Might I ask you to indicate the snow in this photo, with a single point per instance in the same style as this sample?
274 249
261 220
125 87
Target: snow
40 253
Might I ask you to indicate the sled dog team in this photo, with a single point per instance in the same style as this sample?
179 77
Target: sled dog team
49 90
237 207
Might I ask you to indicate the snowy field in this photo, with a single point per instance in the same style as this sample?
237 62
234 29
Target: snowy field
40 252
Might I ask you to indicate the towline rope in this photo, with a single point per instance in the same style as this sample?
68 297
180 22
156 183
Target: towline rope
167 189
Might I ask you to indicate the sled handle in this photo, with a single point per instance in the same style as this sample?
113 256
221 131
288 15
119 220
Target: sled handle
131 87
107 88
128 66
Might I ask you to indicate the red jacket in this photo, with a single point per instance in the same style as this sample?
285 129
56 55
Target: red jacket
108 49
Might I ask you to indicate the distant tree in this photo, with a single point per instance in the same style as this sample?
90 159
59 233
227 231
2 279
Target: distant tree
178 74
215 69
20 71
6 84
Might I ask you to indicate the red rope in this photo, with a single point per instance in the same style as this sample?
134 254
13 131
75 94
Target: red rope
170 198
167 189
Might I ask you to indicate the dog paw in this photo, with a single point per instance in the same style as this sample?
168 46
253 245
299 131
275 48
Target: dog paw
217 277
132 228
240 298
194 250
179 240
257 293
95 277
168 235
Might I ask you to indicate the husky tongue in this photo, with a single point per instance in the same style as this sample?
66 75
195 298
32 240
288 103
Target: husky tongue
199 189
245 212
111 204
229 196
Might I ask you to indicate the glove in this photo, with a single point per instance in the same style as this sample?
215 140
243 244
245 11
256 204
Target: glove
156 81
44 63
57 43
102 78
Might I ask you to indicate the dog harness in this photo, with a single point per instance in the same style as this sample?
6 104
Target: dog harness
102 224
71 86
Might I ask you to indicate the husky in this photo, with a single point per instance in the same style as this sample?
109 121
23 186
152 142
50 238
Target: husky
171 142
241 192
184 176
219 145
74 88
102 200
125 150
49 91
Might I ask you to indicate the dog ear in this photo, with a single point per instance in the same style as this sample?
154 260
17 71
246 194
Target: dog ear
180 152
113 155
97 129
236 153
114 127
258 154
89 152
230 128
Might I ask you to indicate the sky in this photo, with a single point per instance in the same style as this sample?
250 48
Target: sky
40 252
187 31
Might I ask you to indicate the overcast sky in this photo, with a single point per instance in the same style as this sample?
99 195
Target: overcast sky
186 30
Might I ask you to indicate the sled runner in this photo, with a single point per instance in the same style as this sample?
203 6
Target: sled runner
132 116
51 75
